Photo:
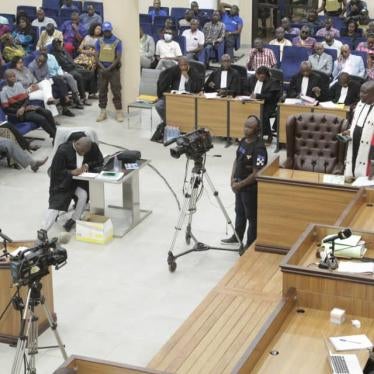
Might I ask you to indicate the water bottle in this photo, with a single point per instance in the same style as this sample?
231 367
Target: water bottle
116 165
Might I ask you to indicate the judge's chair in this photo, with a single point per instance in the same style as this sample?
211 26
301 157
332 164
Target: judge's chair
312 144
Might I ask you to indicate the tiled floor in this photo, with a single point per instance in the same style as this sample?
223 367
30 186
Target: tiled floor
118 301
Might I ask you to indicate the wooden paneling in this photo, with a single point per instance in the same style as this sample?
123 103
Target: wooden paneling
342 113
180 111
213 115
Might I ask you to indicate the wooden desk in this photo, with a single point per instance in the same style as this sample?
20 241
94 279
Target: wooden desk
288 200
213 115
9 324
239 112
181 111
325 289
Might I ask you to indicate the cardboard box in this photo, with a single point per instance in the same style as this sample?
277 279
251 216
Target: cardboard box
95 229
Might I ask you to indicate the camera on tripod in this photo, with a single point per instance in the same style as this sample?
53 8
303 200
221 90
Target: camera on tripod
32 264
193 145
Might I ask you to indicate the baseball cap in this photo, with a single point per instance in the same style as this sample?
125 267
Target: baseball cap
107 26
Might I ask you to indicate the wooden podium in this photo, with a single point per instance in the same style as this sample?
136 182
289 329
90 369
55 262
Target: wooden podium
10 323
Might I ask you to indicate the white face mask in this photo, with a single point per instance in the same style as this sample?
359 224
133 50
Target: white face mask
168 37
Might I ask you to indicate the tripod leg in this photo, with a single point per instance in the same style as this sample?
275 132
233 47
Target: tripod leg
192 209
33 341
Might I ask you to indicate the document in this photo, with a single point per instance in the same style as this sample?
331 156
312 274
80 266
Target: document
331 105
293 101
89 175
356 267
211 95
351 342
363 182
333 179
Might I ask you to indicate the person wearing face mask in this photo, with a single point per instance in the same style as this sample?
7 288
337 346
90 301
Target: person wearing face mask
225 80
194 40
167 51
320 60
263 87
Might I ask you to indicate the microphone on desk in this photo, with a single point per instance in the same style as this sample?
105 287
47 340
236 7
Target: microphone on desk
343 234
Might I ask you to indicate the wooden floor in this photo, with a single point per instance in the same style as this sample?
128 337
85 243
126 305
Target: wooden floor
217 333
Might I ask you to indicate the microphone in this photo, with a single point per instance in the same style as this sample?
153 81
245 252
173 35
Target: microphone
63 238
5 237
343 234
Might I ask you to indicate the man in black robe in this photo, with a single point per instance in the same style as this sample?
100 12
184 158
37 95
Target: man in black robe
78 155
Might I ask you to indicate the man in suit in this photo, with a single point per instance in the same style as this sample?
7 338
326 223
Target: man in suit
345 90
352 64
320 60
182 77
263 87
225 80
307 83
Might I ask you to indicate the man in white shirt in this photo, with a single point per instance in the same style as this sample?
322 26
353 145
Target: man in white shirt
351 64
331 43
41 20
194 40
280 40
167 51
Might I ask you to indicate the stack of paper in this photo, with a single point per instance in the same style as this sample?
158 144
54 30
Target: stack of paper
333 179
363 182
211 95
293 101
351 342
356 267
352 247
149 99
331 105
309 100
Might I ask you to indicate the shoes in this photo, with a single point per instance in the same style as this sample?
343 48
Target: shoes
77 101
38 164
231 240
67 112
119 116
102 116
86 103
69 224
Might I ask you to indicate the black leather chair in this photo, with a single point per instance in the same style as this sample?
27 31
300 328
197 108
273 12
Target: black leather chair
242 70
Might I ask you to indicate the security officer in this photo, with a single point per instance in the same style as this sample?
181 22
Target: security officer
108 57
251 156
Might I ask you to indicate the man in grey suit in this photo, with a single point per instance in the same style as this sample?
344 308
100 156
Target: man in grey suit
320 60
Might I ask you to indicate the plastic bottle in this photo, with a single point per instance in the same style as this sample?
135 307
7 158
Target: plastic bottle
116 165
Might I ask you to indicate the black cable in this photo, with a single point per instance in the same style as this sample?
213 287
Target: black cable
7 307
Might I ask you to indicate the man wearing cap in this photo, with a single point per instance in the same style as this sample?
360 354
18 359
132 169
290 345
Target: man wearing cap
108 57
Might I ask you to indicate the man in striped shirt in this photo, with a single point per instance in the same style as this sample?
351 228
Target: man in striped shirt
260 56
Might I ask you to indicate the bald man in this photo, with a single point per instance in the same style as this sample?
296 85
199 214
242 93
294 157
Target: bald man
78 155
360 154
320 60
349 63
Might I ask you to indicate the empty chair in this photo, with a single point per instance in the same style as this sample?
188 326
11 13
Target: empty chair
147 28
160 20
51 4
181 40
276 51
165 9
50 12
292 58
332 52
98 5
346 40
29 10
79 5
178 13
145 18
66 13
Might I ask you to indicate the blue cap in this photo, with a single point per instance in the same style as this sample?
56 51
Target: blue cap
107 26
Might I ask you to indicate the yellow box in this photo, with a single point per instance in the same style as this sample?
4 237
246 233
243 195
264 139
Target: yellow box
95 229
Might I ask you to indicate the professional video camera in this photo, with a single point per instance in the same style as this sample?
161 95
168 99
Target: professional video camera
193 145
32 264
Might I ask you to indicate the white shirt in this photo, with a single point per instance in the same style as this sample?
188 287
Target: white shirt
44 23
182 83
336 45
283 43
304 85
223 79
168 49
258 87
343 95
193 40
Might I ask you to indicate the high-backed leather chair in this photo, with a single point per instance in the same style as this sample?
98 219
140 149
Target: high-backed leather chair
312 143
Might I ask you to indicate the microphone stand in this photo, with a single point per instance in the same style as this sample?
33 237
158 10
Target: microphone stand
6 240
330 262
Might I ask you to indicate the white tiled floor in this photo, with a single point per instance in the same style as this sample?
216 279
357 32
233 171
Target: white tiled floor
119 302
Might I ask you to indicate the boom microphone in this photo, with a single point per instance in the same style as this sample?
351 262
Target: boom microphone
343 234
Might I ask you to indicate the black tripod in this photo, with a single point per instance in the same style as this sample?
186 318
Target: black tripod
28 337
189 207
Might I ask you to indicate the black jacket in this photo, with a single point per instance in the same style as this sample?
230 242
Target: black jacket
169 80
232 84
314 81
270 93
353 94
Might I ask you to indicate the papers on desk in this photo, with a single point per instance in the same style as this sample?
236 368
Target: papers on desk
333 179
352 247
148 99
110 176
351 342
308 100
363 182
293 101
356 267
182 92
89 175
245 98
211 95
331 105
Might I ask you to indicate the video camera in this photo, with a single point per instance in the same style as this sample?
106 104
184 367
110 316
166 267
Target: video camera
32 264
193 145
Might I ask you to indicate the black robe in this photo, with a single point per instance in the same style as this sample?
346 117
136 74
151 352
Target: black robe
62 186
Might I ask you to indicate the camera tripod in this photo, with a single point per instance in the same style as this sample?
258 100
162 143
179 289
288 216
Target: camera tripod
28 337
189 207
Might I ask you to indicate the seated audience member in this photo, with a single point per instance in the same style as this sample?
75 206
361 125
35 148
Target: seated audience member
263 87
370 68
331 43
328 29
48 36
233 27
368 30
83 77
15 101
18 155
71 159
304 40
9 130
214 33
73 32
194 40
355 8
24 33
147 49
37 90
320 60
157 11
4 26
10 48
260 56
167 51
367 46
168 25
352 64
351 30
60 90
333 8
364 21
197 12
186 21
68 4
280 40
181 77
225 80
41 20
312 21
87 49
288 29
89 18
345 90
308 83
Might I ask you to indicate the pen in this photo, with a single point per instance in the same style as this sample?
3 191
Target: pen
349 341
